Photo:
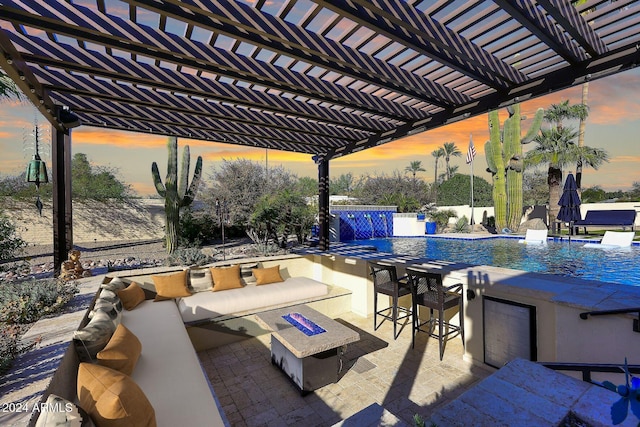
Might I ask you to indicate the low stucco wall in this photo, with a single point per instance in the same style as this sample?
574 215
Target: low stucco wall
137 219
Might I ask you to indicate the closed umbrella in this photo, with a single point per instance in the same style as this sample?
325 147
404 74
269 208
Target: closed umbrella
569 202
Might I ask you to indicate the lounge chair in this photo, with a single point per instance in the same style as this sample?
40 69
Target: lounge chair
535 237
613 239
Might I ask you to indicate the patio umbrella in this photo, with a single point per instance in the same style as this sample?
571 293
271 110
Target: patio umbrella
569 202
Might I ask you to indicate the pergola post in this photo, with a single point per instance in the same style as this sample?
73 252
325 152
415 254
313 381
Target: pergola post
323 203
62 218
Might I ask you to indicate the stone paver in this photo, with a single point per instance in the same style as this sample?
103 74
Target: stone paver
377 371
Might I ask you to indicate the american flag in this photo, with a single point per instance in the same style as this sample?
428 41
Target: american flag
471 153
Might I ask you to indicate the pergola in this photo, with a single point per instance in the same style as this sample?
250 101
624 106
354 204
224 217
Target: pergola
327 78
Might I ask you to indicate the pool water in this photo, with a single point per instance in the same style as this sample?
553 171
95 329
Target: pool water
561 258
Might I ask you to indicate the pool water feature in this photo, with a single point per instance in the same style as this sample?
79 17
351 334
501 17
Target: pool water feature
561 258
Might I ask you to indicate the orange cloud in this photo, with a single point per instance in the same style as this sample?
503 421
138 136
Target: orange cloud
143 188
621 159
122 139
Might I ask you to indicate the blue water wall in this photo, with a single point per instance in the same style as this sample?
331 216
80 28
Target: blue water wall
364 222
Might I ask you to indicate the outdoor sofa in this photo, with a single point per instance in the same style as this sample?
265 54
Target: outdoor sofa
161 381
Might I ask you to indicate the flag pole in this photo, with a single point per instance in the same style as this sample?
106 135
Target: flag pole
471 221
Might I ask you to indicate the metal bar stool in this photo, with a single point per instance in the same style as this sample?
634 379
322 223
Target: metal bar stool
386 282
428 290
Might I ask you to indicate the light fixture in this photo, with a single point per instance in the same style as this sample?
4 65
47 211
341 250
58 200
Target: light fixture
37 171
68 119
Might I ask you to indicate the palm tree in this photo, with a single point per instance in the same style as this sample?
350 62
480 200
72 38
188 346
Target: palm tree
437 154
557 113
415 167
8 88
581 128
450 149
556 147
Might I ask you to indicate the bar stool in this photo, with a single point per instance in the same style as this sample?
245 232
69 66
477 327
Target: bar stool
427 290
386 282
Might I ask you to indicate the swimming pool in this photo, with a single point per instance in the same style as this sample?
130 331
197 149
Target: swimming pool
561 258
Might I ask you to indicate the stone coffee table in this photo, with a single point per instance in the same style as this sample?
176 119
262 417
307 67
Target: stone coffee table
311 361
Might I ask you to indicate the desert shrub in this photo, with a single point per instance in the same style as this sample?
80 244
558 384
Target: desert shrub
462 225
26 302
187 256
442 217
10 242
197 228
10 346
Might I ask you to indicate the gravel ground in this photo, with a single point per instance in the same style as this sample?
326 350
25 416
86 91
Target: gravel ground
123 255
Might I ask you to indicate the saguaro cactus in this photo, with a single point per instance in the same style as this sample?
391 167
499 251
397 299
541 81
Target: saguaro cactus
176 194
504 157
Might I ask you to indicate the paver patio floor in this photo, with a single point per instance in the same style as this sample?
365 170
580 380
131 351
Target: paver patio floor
403 380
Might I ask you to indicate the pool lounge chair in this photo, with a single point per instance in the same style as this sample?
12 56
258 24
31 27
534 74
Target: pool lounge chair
535 237
613 239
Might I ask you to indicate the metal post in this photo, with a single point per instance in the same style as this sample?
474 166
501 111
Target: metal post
221 211
323 203
62 206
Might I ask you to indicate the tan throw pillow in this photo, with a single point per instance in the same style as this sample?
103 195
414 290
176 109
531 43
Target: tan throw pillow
131 296
113 399
171 286
267 275
199 279
122 351
226 278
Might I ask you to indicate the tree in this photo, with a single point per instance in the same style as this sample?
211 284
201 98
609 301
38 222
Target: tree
450 150
556 147
634 193
535 190
437 154
342 185
8 88
414 167
17 186
593 194
279 215
456 191
239 184
394 190
307 186
95 182
581 129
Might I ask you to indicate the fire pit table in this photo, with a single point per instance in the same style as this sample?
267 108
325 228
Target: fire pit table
306 345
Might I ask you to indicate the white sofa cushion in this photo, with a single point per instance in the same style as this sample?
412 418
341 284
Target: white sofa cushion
209 305
168 370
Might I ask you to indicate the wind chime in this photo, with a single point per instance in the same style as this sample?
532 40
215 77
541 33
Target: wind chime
37 171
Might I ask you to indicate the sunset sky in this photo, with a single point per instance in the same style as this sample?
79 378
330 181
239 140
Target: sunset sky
613 124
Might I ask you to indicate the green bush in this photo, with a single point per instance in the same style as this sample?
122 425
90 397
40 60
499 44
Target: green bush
10 242
26 302
442 217
10 346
